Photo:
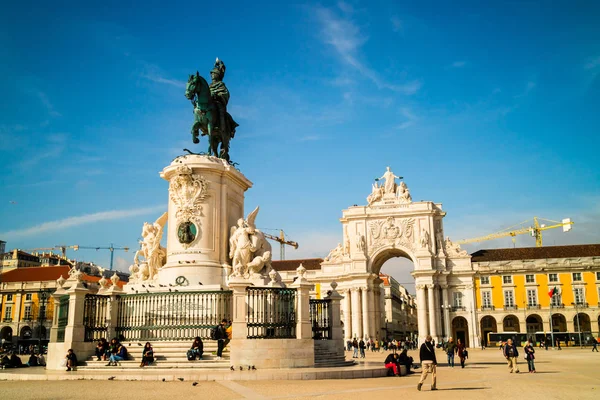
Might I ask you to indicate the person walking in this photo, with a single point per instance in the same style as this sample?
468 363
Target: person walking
450 350
511 354
221 335
428 363
361 347
529 350
355 348
594 345
461 350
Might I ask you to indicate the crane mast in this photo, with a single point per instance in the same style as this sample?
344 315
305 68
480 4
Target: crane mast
535 231
282 243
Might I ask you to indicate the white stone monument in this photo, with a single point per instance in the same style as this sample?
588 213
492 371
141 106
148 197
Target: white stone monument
206 198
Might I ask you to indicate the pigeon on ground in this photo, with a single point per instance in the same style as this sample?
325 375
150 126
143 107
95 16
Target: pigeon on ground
181 379
232 368
253 368
139 344
249 367
163 379
241 368
194 384
110 378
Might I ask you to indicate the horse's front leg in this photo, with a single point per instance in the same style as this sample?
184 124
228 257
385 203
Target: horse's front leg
196 131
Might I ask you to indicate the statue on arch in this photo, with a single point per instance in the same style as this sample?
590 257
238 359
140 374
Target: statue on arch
403 193
390 181
210 110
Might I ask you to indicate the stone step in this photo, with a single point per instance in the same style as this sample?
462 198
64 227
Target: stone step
174 358
127 365
325 364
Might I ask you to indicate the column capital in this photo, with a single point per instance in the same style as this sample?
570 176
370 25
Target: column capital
444 287
430 286
354 289
366 289
420 287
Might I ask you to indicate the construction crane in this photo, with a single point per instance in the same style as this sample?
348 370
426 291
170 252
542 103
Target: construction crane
535 231
112 249
282 243
62 248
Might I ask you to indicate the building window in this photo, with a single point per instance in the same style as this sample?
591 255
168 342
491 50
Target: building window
530 278
27 314
509 298
507 279
486 299
553 277
28 297
557 300
579 296
9 297
457 296
7 312
485 280
598 276
576 276
531 297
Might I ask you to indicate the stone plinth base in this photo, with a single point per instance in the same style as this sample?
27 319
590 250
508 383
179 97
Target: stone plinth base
273 353
57 352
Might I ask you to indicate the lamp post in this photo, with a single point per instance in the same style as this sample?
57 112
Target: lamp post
42 296
578 324
449 308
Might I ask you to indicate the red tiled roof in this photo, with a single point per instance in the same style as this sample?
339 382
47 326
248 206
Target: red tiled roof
385 278
43 274
533 253
311 264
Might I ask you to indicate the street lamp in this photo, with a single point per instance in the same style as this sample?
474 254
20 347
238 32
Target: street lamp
578 324
42 296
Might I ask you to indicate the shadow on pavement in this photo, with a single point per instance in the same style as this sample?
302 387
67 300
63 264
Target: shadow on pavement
470 388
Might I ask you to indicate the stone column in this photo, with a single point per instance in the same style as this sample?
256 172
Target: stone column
423 328
372 314
356 316
438 313
113 311
239 323
473 325
347 315
366 293
334 313
432 312
303 326
376 312
446 311
58 293
18 306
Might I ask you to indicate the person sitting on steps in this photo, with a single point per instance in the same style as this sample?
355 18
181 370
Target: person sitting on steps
120 355
71 360
196 350
147 355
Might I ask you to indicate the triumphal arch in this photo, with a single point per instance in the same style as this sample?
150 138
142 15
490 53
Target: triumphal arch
393 225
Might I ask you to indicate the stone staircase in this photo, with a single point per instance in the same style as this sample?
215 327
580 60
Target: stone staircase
327 355
166 355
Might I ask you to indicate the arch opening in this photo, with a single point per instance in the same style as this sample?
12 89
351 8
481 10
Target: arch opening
511 324
488 325
534 323
460 330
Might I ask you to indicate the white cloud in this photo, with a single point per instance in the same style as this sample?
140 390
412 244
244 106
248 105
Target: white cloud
314 244
345 7
397 24
346 38
411 118
85 219
458 64
592 63
49 106
154 74
122 264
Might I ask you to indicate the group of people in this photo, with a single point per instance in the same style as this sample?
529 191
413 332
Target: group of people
453 349
221 333
12 360
360 346
394 361
114 351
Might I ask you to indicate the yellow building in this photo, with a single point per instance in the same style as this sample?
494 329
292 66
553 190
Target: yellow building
512 290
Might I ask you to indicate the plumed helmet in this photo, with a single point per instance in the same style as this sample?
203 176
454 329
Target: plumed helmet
219 68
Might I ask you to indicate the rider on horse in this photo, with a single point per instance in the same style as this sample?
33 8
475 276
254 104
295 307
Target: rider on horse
220 96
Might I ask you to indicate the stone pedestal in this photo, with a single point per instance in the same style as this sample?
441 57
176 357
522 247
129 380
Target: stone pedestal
206 198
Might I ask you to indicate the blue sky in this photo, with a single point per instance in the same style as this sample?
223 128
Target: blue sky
491 110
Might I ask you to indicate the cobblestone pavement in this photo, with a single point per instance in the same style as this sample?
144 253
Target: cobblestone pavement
568 374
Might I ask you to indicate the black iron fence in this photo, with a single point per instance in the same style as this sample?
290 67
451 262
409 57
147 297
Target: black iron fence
171 316
63 318
94 317
319 319
271 313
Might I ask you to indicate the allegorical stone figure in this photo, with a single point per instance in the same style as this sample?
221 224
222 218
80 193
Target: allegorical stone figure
390 184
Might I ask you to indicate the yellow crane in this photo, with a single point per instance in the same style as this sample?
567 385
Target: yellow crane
282 242
535 231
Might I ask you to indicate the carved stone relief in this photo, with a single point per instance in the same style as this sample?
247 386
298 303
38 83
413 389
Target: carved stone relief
390 231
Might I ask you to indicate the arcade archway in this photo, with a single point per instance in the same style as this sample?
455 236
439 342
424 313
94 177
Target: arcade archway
488 325
510 324
460 330
26 332
6 334
534 323
583 320
559 323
